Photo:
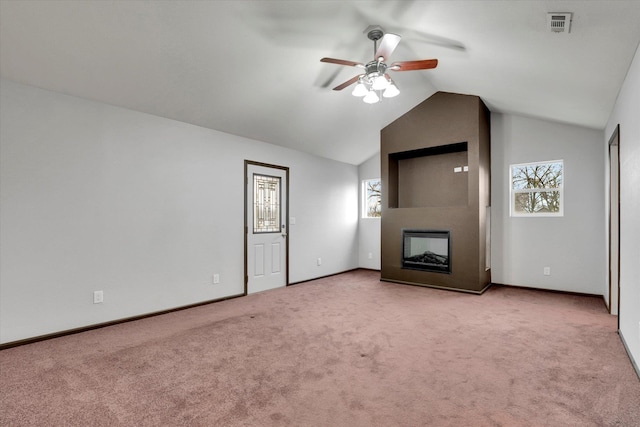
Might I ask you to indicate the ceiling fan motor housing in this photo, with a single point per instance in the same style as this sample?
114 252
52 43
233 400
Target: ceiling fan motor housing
375 69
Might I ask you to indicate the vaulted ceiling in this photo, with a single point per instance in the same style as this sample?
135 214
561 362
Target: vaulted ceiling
252 68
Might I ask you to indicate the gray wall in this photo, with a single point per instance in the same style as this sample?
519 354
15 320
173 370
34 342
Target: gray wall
95 197
627 113
368 228
573 246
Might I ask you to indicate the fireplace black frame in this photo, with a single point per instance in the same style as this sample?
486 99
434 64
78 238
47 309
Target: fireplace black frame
427 267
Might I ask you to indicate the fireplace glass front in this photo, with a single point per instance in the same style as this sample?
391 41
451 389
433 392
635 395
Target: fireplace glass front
427 250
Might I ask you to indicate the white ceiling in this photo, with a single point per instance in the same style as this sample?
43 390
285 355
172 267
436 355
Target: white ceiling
252 68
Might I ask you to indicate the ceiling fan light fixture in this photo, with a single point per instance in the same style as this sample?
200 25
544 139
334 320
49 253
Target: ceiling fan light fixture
360 89
380 83
391 91
371 97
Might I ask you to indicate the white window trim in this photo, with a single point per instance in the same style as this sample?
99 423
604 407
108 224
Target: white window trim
559 190
363 187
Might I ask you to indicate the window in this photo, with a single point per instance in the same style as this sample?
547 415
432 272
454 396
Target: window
266 209
537 189
371 198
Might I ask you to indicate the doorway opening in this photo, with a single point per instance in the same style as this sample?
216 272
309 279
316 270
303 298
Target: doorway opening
614 222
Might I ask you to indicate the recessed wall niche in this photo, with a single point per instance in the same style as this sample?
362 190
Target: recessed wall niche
435 169
435 176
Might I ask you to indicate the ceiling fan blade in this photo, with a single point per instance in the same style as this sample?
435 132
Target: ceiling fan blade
424 64
388 44
347 83
342 62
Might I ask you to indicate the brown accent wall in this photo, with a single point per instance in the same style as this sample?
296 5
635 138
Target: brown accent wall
432 175
421 191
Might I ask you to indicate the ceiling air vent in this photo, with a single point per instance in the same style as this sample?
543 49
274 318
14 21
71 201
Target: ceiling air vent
559 22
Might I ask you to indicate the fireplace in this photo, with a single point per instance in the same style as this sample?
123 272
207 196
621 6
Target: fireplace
431 196
426 250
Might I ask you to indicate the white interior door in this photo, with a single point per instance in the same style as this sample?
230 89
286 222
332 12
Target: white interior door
267 234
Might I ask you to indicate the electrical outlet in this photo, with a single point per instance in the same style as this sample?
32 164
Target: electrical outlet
319 261
370 255
216 279
547 271
98 297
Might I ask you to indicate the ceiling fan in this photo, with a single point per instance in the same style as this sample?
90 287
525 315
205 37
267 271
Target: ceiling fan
375 77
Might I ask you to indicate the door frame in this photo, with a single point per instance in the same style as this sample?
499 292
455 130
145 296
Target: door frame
614 210
246 225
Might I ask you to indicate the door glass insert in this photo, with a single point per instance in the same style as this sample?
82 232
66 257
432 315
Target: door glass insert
266 204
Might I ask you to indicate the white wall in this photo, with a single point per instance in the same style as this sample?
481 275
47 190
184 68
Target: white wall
369 228
95 197
572 245
627 113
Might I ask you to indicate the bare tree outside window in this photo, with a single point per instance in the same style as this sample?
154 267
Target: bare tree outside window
537 189
372 198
